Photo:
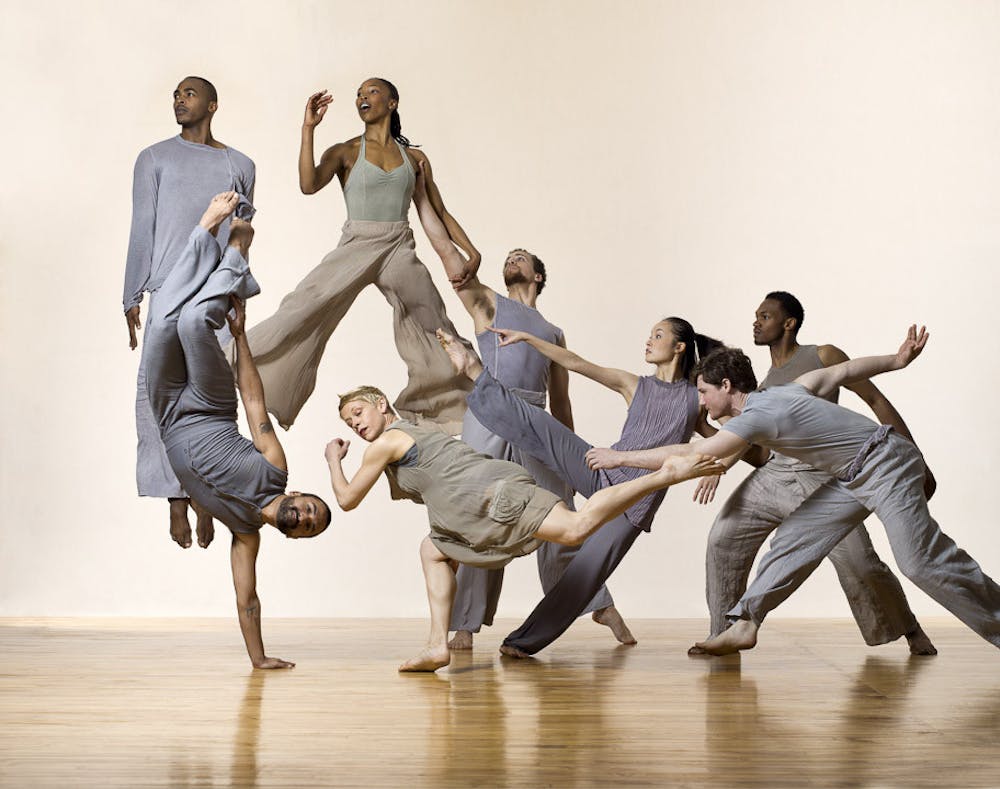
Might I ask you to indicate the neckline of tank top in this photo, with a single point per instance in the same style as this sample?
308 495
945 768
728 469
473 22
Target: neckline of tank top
200 145
362 157
656 380
791 358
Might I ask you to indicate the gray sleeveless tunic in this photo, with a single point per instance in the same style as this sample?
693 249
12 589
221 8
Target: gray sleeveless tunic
223 471
519 367
804 360
660 413
482 511
374 195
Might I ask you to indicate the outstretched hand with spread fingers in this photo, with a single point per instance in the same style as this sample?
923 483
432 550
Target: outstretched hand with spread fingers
912 345
509 336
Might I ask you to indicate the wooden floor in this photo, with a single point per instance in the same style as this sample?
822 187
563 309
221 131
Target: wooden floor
135 703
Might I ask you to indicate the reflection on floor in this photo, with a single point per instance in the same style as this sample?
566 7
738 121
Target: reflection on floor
155 702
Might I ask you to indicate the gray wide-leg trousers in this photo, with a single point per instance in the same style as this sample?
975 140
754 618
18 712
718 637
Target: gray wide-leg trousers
761 503
890 485
539 434
478 589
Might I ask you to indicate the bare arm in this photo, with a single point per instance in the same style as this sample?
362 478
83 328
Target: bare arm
621 381
722 445
387 448
243 557
559 403
455 231
252 392
313 177
479 301
824 382
880 405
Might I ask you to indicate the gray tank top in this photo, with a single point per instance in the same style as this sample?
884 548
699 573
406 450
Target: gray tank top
374 195
804 360
660 413
519 366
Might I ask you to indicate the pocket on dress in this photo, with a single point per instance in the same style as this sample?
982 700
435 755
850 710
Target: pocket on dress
509 500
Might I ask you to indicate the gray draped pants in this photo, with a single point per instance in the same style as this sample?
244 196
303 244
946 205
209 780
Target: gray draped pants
890 484
760 505
478 590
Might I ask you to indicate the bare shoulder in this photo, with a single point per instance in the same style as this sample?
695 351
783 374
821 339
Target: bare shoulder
390 446
417 155
831 354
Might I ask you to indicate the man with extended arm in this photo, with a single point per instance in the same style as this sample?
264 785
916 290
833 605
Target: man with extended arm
874 470
772 492
528 374
193 398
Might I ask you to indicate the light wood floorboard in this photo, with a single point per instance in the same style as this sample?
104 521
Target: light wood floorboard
158 702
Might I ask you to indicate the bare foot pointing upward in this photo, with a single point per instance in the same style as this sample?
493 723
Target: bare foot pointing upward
462 359
222 205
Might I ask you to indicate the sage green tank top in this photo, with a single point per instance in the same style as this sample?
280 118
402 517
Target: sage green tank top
374 195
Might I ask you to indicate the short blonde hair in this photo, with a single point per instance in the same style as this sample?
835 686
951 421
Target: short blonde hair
370 394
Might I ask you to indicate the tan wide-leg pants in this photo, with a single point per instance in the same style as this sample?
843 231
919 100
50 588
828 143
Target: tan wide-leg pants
288 346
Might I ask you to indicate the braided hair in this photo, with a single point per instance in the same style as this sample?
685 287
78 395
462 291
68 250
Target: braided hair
395 125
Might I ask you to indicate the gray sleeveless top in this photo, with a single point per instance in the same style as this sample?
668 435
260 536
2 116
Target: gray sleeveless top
804 360
374 195
660 413
482 511
519 367
225 473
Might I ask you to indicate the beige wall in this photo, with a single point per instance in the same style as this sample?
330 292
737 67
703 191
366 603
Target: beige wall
663 158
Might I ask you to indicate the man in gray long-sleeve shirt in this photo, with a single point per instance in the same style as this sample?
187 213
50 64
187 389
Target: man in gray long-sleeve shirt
173 182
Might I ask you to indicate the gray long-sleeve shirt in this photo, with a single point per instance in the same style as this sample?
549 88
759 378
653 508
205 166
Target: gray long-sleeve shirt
173 183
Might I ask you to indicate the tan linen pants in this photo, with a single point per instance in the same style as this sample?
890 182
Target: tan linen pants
288 346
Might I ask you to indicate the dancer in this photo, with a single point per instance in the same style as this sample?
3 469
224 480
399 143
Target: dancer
772 492
377 174
172 184
528 374
874 470
661 405
483 511
193 397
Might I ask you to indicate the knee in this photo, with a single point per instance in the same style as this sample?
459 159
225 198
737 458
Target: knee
191 320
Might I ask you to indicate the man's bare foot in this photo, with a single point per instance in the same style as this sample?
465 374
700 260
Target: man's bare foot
919 643
512 651
462 359
461 640
240 236
609 617
222 205
430 658
740 635
180 527
205 529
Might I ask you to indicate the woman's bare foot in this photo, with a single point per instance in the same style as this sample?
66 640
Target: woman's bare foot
430 658
919 643
222 205
609 617
739 636
461 640
512 651
180 526
462 359
678 468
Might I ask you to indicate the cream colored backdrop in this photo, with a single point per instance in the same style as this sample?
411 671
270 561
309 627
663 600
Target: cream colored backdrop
662 158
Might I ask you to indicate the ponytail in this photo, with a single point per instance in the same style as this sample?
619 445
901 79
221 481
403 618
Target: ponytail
696 346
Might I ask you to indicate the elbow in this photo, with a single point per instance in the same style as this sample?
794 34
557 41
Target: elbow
307 189
347 503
